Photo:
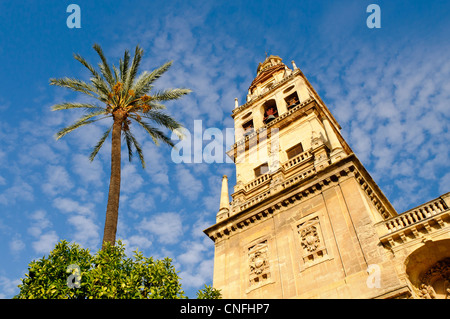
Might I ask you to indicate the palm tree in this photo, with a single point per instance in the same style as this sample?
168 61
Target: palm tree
124 98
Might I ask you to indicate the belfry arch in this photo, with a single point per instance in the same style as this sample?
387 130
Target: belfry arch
428 270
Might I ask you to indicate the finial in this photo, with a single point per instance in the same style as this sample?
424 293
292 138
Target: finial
236 104
224 208
293 65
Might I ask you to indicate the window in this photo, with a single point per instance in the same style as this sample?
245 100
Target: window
248 127
292 100
294 151
261 170
270 111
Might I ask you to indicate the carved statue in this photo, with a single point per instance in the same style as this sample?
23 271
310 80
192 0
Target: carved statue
427 292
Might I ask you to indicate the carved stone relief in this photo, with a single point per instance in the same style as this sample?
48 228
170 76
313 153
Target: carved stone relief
311 241
435 283
259 263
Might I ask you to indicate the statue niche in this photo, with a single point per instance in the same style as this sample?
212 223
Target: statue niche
435 283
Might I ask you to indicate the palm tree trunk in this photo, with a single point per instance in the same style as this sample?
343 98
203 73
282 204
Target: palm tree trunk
112 209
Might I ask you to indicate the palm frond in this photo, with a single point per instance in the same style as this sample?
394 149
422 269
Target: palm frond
104 67
125 64
99 144
144 83
155 134
162 119
75 85
69 105
84 120
157 106
170 94
131 73
86 64
127 136
131 141
102 88
116 73
97 80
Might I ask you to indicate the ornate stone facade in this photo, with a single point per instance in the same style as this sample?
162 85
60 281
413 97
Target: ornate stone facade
314 222
436 281
258 264
311 241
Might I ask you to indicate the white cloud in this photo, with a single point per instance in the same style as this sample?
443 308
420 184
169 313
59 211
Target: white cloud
196 278
136 242
58 180
39 222
8 287
90 172
16 244
131 181
166 226
392 112
39 228
155 159
45 243
86 231
38 154
142 202
68 205
20 191
193 254
188 186
444 184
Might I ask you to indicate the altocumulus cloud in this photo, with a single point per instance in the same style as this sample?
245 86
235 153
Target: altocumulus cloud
393 109
167 227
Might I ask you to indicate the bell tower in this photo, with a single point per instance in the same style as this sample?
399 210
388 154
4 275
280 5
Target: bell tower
301 219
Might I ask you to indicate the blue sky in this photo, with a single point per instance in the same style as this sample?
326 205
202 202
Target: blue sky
389 88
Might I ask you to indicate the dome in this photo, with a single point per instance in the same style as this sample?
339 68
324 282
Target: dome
271 65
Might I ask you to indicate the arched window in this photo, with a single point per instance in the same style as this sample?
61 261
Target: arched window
270 111
248 127
292 100
294 151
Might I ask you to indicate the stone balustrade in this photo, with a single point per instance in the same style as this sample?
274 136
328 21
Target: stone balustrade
257 181
421 217
297 160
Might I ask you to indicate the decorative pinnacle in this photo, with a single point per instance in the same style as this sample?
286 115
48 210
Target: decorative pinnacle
224 199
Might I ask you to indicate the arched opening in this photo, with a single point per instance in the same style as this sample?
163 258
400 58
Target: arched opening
428 270
270 111
248 127
292 100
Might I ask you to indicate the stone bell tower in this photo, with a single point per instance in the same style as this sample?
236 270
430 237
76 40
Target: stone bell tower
301 222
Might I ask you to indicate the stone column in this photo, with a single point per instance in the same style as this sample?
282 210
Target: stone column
337 152
224 208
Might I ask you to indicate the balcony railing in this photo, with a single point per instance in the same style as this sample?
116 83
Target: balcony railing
256 182
297 160
419 217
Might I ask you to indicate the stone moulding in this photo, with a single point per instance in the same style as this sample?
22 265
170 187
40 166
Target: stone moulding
270 204
259 97
272 123
417 223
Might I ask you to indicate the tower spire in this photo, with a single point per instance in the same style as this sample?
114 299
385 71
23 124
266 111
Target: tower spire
224 208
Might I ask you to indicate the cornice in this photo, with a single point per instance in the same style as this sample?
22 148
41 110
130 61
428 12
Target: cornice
298 188
259 97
